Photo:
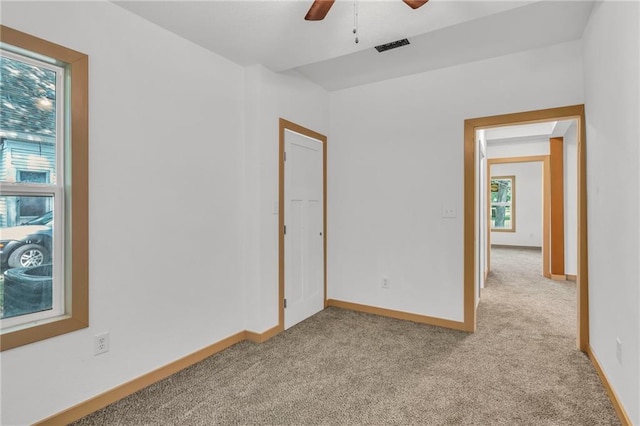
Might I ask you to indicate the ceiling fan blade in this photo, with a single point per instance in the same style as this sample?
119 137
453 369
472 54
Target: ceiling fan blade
414 4
319 10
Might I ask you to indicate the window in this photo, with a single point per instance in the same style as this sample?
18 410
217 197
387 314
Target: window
43 189
503 203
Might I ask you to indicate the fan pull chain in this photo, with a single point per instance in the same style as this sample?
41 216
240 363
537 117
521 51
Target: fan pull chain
355 20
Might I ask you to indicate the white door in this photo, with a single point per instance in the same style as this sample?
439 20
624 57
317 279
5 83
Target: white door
303 239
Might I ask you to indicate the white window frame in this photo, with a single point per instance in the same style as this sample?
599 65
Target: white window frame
55 190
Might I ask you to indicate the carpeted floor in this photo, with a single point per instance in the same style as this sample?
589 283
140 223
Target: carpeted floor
339 367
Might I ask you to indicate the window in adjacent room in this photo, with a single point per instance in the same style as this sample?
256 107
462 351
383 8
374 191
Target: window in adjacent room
503 203
43 189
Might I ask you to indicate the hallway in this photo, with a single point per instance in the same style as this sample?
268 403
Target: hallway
534 318
515 284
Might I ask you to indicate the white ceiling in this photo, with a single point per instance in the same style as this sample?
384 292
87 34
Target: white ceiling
543 130
442 33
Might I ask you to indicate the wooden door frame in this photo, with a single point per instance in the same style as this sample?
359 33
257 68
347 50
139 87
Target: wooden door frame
546 205
288 125
470 195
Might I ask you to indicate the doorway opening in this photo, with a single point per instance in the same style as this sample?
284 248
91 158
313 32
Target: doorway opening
474 222
517 192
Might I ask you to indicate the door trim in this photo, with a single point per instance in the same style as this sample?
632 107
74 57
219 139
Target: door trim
556 156
470 246
288 125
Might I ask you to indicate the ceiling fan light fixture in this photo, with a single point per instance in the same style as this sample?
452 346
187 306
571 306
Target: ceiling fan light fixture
319 10
414 4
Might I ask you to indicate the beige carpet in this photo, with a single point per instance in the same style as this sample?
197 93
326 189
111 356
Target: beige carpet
340 367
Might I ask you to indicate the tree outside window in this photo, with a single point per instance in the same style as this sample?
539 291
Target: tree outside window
503 203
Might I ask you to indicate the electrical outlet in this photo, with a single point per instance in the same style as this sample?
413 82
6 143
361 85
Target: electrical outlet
619 350
385 282
101 343
448 212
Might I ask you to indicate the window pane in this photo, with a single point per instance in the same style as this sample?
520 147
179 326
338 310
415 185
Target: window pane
26 254
501 199
28 117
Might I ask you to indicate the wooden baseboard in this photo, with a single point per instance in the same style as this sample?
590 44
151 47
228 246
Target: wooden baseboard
109 397
558 277
263 337
573 278
535 248
617 404
390 313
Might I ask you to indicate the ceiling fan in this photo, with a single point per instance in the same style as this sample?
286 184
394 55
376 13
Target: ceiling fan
320 8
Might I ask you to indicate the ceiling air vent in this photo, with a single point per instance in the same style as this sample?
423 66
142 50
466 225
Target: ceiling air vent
392 45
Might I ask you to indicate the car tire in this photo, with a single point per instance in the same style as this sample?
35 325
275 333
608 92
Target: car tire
27 290
28 255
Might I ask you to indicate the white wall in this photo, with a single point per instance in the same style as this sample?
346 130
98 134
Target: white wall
165 134
269 97
611 64
528 204
396 159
